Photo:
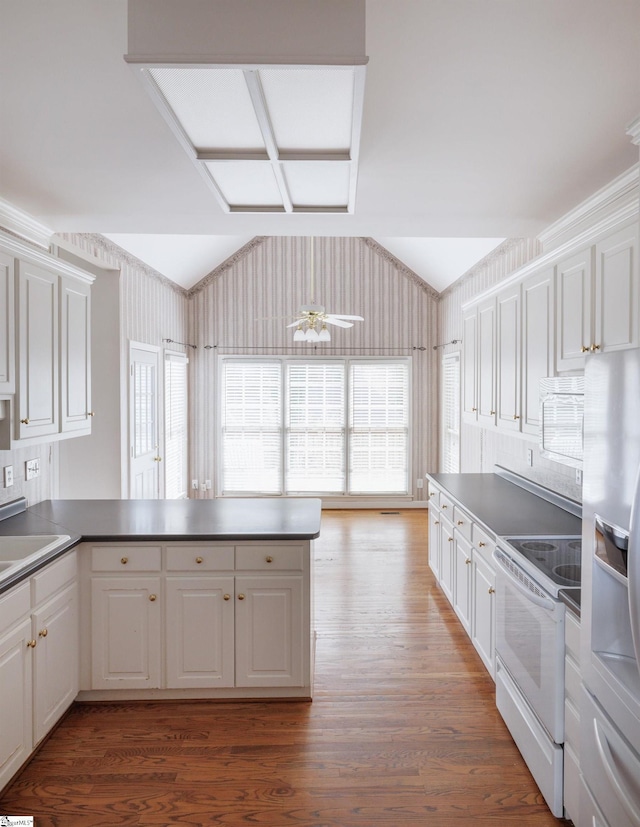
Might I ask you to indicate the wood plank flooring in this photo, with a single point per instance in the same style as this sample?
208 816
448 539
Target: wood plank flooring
403 729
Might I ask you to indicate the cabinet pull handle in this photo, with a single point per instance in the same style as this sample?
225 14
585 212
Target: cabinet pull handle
32 644
240 597
584 349
124 560
153 597
594 348
467 561
460 522
269 558
43 633
491 590
481 544
226 597
198 560
25 421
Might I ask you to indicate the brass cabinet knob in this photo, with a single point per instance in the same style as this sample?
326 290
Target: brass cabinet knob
91 413
436 522
451 539
467 561
491 590
473 410
153 597
492 413
32 644
269 558
240 597
124 560
515 416
25 421
198 560
444 506
43 633
157 459
481 544
594 348
226 597
432 493
460 522
584 349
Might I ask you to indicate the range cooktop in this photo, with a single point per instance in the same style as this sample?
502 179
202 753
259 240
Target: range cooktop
557 558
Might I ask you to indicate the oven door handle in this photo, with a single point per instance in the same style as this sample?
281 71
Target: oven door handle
544 602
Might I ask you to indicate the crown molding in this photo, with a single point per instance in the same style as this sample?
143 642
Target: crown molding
25 250
484 263
633 130
227 264
619 195
19 223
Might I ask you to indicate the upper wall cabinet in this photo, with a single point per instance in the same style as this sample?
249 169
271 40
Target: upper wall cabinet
470 366
597 298
538 344
50 352
508 374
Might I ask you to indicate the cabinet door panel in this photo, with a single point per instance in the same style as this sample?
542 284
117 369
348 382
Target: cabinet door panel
616 280
434 541
269 631
470 368
125 648
574 309
508 368
56 676
483 619
75 355
538 342
37 352
462 581
487 363
16 717
200 631
7 324
447 569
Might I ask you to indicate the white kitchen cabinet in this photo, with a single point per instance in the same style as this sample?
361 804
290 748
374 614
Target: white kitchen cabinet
538 344
447 558
483 586
462 581
200 631
126 632
39 659
55 628
75 356
508 367
7 325
231 619
487 362
37 406
574 277
434 539
470 366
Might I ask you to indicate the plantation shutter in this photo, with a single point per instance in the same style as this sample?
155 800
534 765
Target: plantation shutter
451 413
251 427
175 440
379 428
315 436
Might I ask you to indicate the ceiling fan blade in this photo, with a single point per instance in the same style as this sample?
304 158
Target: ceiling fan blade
342 316
337 322
294 324
271 318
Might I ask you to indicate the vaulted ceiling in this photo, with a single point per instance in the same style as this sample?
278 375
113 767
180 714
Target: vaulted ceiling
483 119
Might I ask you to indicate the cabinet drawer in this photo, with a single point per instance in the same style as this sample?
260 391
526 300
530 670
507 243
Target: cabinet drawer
462 522
126 558
14 605
434 495
572 636
53 577
269 558
446 505
484 544
199 558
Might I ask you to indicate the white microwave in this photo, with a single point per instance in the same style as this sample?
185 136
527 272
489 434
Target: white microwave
562 419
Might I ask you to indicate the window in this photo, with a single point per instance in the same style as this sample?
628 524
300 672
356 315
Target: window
175 425
334 426
451 413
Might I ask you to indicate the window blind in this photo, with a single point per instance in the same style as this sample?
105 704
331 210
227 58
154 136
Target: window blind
175 447
451 413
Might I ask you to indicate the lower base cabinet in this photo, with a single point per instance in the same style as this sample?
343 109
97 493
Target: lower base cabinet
201 617
483 587
39 659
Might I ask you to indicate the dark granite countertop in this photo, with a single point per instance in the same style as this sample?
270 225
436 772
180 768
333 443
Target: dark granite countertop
506 509
165 520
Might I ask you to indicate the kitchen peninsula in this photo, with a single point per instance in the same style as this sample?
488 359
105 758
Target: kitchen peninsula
154 599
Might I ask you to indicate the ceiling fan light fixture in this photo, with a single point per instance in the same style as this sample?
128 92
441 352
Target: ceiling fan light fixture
299 335
312 335
324 335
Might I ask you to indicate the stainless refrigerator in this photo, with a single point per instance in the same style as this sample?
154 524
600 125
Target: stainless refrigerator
610 620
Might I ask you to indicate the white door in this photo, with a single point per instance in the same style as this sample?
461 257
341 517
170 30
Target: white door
144 459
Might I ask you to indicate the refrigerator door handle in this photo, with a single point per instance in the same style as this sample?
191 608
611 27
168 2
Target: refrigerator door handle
633 569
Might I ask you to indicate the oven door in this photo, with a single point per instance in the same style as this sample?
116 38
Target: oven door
530 642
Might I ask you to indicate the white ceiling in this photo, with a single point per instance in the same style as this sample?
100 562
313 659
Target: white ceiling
483 119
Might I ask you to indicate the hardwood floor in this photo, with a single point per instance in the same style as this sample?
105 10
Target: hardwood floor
403 729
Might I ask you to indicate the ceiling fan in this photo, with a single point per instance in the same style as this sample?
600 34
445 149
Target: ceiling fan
312 321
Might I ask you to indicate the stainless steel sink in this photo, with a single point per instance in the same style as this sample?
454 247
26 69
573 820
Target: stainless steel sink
22 550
